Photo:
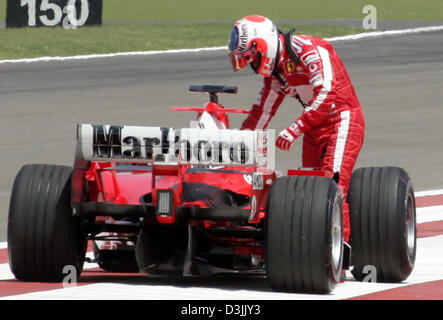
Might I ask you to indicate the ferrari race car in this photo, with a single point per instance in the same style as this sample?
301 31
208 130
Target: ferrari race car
206 200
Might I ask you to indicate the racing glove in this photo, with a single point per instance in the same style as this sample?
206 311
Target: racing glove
287 137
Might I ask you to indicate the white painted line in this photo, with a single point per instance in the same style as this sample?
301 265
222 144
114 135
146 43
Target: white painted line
429 193
147 53
6 274
428 261
429 214
385 33
110 55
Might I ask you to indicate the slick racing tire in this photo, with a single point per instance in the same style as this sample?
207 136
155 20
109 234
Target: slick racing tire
43 237
383 224
304 235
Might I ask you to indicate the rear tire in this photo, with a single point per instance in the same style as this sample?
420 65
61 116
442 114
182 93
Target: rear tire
304 235
383 224
43 236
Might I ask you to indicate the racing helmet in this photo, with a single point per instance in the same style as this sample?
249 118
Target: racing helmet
254 40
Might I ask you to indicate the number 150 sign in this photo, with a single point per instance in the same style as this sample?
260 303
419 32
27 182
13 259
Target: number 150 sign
67 13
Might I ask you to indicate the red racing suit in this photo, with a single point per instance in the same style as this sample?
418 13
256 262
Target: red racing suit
332 121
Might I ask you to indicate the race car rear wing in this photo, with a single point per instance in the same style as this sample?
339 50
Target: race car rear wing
173 146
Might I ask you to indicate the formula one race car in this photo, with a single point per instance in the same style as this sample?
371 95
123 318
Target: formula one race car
206 200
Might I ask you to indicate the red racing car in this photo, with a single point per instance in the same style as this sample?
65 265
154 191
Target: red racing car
205 200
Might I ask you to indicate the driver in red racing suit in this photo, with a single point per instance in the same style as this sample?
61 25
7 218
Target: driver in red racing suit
308 69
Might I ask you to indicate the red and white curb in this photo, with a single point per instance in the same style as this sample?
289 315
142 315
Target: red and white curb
425 282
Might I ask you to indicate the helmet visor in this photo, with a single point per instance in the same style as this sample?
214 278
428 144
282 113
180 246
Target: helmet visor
240 59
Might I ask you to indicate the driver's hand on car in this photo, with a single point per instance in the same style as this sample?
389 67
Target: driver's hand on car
287 137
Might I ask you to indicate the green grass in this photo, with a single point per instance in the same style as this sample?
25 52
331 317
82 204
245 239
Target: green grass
36 42
2 9
275 9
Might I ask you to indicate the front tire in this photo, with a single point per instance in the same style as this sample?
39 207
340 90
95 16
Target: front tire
43 236
304 235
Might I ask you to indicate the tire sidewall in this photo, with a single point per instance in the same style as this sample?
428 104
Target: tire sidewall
407 258
335 273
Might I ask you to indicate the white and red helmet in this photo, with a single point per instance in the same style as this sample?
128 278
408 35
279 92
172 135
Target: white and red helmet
255 40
